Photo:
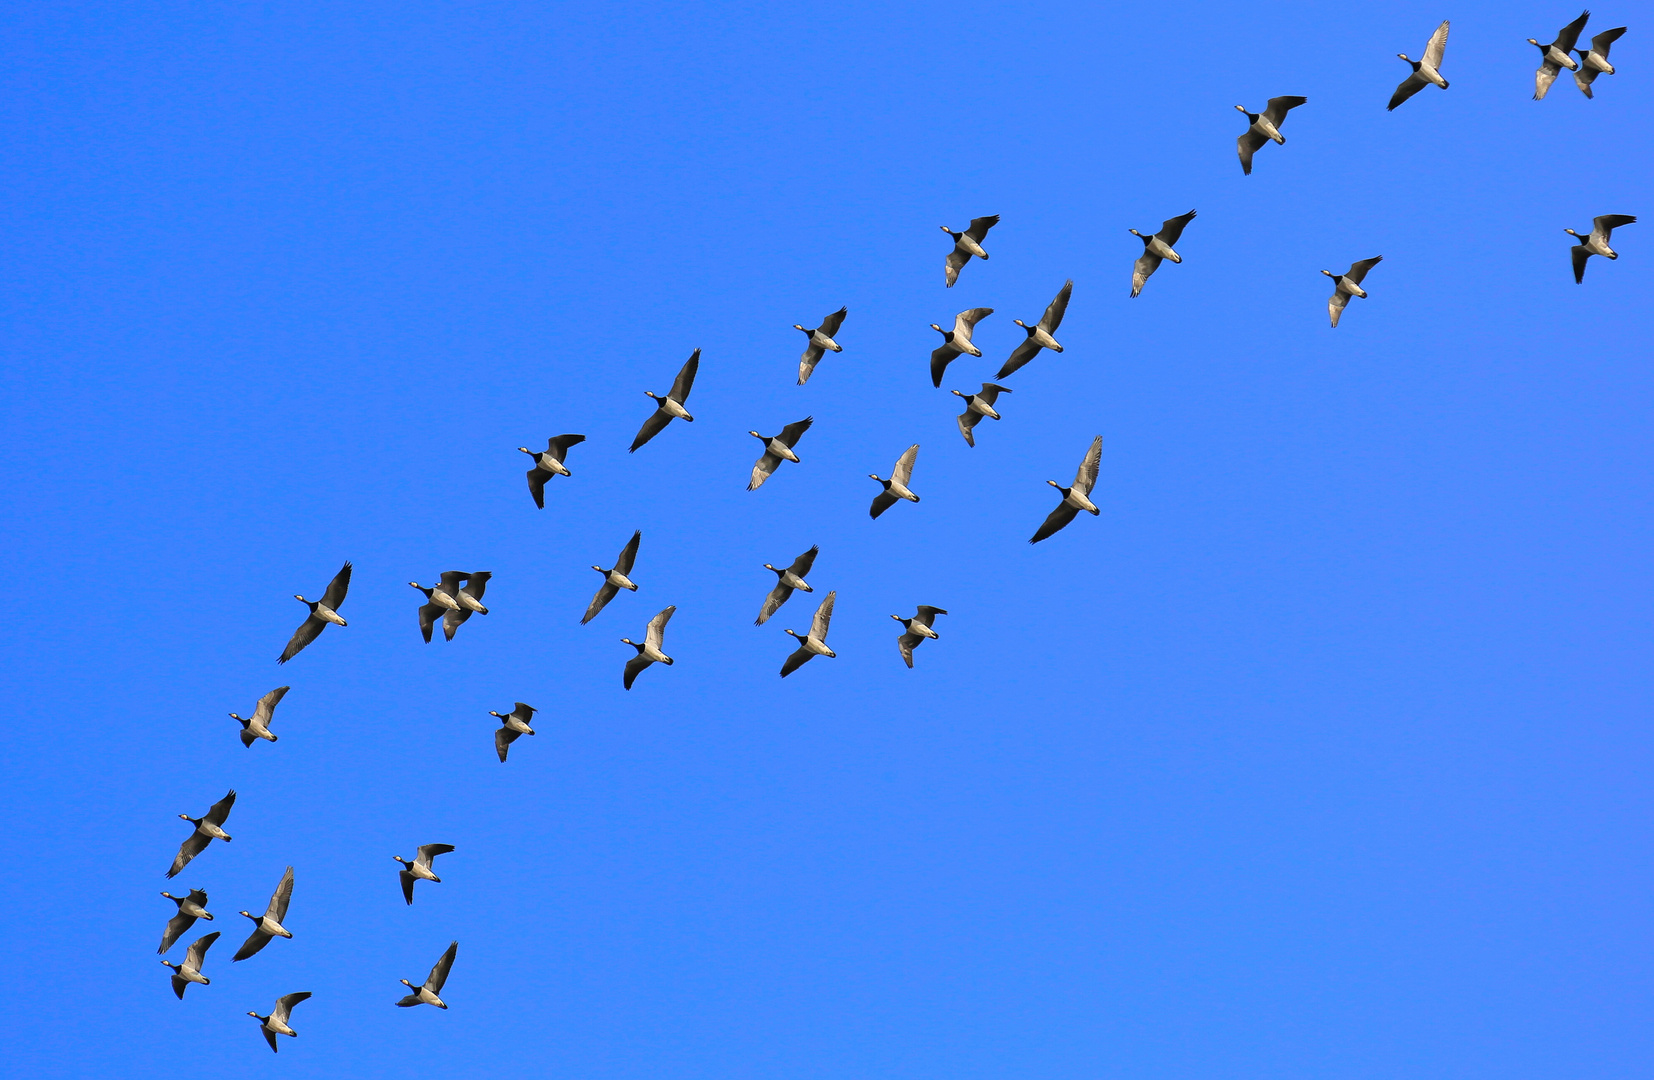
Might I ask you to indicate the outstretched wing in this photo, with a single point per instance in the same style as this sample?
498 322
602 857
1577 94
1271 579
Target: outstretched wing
407 879
940 358
657 626
807 361
1543 78
1172 228
267 704
537 478
1019 356
304 635
967 320
1055 521
1580 257
197 952
1358 270
795 660
967 420
439 973
194 844
285 1003
772 603
1607 223
927 614
1336 304
1145 265
955 262
628 554
428 615
824 616
427 852
685 381
762 469
1279 106
801 565
605 593
1438 45
558 446
830 325
219 812
1568 36
980 226
477 584
906 642
633 666
881 502
1086 478
503 738
282 897
1411 85
1248 144
337 588
1057 308
990 392
904 465
790 434
175 929
255 941
654 425
269 1037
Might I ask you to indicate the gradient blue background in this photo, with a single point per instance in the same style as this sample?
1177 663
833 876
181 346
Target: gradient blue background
1324 752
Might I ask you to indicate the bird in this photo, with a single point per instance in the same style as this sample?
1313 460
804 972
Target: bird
207 829
777 448
1039 335
427 994
614 580
322 612
896 487
439 598
977 406
1156 248
1425 71
1597 243
190 908
815 642
276 1023
1595 62
514 723
671 406
258 726
916 630
1076 498
420 868
821 340
268 925
1266 127
1348 284
648 652
791 577
968 243
190 970
548 463
956 341
1554 57
469 599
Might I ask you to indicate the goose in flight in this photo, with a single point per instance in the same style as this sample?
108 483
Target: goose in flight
1076 498
427 994
322 612
648 652
1156 248
470 600
420 868
439 598
821 340
276 1023
190 908
613 580
268 925
777 448
1554 57
968 243
1348 284
1425 71
1266 127
1602 228
791 577
1595 62
258 725
513 724
548 463
815 642
1039 335
955 342
916 630
190 970
671 406
207 829
896 487
977 406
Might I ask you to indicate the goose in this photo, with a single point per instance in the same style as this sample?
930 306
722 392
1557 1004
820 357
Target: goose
190 908
322 612
1554 57
207 829
815 642
420 868
258 725
276 1023
896 487
955 342
438 599
515 723
190 970
1602 228
1156 248
1266 127
470 600
821 340
1595 62
968 243
648 652
427 994
614 580
549 463
1348 284
791 577
1039 335
777 448
268 925
1425 71
977 406
669 407
1076 498
916 630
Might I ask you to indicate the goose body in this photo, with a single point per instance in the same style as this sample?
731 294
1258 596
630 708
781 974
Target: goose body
190 908
1157 248
1348 284
670 407
790 578
208 828
614 579
512 725
1265 127
268 925
967 244
277 1022
1075 498
956 342
777 448
549 463
1426 71
420 868
649 651
1553 58
322 612
896 487
1594 62
258 725
1040 334
189 971
916 630
469 599
977 406
429 992
1602 230
440 600
821 342
814 643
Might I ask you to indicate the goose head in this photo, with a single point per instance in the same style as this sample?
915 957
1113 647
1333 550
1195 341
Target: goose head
1059 487
755 435
1573 234
406 983
302 600
899 619
191 820
250 915
806 329
939 330
1022 324
527 451
1330 274
651 394
880 479
237 716
633 644
399 858
1536 44
958 394
951 233
794 633
1250 115
256 1016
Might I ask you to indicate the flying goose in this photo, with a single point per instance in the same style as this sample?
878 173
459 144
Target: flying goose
1266 127
777 448
1425 71
955 342
1039 335
1156 248
420 868
815 642
1554 57
427 994
514 723
276 1023
322 612
916 630
1595 62
548 463
190 970
821 340
470 600
968 243
977 406
896 487
1348 284
207 829
268 925
258 726
670 406
648 652
791 577
190 908
1076 498
613 580
1597 243
439 598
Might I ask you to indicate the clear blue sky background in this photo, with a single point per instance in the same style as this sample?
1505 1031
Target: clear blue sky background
1323 752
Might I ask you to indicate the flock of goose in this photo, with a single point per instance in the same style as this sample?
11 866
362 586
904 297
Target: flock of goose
457 595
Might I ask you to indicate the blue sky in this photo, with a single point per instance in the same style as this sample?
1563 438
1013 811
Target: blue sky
1322 752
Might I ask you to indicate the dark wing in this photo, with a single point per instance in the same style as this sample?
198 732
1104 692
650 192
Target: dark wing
956 261
927 614
197 952
807 361
559 446
605 593
304 635
175 929
283 896
452 620
337 588
408 879
1280 106
801 565
633 666
772 603
178 986
906 643
685 381
1580 255
628 554
269 1037
267 705
439 973
1358 270
1607 223
247 737
1602 41
1247 145
980 226
1568 36
651 427
220 810
1020 356
255 941
1055 521
1172 228
476 585
1434 51
940 358
881 502
1411 85
428 614
1335 306
194 844
762 469
990 392
431 851
792 432
968 420
451 580
285 1003
1145 265
831 323
795 661
503 738
1057 308
1543 78
537 478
